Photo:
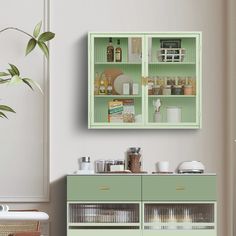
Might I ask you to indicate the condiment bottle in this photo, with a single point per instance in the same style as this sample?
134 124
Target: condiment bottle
110 51
118 52
102 87
109 86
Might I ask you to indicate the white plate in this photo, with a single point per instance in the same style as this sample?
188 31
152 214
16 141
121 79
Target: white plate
119 81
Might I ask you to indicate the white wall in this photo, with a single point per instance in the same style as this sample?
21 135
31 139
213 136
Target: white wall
70 138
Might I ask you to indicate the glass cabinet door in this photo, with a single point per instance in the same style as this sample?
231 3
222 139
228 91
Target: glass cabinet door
104 216
173 80
179 216
116 88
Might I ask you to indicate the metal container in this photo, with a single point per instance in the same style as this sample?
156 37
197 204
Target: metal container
100 166
84 163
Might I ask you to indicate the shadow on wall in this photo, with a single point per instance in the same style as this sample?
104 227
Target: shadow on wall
58 207
81 93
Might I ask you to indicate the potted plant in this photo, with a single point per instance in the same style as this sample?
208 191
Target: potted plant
12 74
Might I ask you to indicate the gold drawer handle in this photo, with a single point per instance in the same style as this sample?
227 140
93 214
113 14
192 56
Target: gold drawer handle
104 188
180 188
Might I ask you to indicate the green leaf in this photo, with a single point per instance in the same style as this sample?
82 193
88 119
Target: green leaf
37 29
46 36
30 46
3 81
34 83
6 108
28 83
2 115
4 74
44 48
15 80
14 70
12 73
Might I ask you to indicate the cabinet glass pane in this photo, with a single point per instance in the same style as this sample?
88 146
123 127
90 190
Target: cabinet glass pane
115 213
172 93
117 88
183 216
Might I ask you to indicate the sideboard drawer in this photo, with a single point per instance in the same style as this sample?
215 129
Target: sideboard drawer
103 188
179 187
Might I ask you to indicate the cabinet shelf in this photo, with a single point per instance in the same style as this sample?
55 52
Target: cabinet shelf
172 96
118 63
171 63
117 96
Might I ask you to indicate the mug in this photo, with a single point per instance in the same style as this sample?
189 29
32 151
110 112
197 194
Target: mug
163 166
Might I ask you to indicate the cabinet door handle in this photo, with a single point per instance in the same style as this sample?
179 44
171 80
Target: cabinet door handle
104 188
180 188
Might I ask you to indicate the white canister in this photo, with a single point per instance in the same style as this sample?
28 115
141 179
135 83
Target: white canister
163 166
173 114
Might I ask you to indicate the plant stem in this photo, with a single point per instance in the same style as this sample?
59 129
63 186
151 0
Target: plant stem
13 28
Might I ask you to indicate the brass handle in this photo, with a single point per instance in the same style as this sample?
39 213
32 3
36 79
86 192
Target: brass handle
180 188
104 188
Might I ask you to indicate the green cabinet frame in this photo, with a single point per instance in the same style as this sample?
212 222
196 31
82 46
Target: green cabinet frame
148 66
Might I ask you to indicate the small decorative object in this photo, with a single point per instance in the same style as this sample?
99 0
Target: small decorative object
157 112
170 43
167 90
84 163
188 89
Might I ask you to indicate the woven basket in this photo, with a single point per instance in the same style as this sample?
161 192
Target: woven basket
11 227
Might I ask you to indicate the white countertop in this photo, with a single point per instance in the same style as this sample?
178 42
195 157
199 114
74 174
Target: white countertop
145 174
24 215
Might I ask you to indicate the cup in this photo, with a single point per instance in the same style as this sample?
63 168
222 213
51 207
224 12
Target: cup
163 166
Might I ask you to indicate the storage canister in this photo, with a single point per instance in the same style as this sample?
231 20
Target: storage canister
167 90
177 90
173 114
188 89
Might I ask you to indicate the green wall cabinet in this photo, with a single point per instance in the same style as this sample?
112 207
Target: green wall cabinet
155 67
141 205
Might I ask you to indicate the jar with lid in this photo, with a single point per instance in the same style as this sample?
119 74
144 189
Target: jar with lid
167 90
84 163
177 90
100 166
188 89
134 160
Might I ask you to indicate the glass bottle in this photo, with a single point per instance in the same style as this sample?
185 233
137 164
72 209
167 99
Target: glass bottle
110 51
118 52
109 86
102 88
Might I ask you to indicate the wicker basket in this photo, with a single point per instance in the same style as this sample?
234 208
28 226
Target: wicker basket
171 54
11 227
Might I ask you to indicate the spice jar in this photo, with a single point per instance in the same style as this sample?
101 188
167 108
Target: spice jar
85 163
177 90
156 89
167 90
188 89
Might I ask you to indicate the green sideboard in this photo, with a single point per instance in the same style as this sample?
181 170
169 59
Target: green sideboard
150 62
141 205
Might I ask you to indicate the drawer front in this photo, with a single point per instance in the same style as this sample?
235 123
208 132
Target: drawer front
104 188
180 233
96 232
193 188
